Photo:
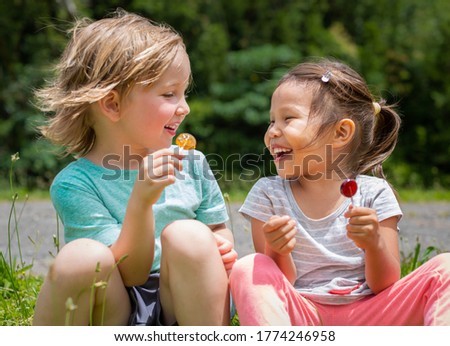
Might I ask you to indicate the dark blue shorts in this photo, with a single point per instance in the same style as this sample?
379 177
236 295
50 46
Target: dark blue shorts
146 307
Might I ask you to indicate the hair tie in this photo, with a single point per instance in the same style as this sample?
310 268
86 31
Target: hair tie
326 77
376 107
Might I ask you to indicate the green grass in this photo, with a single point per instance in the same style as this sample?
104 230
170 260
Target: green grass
421 195
34 195
18 293
412 260
18 287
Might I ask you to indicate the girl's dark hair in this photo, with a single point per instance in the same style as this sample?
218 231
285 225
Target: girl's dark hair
340 92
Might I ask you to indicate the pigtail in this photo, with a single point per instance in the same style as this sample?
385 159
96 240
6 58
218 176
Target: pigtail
385 133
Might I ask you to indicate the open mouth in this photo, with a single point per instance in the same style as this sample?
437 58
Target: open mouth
172 129
281 153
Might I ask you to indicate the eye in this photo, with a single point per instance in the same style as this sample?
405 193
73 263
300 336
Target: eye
169 94
289 119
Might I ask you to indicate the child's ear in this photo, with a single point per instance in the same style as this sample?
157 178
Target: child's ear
110 105
343 132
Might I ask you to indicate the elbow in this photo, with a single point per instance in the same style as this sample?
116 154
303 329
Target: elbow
381 286
292 279
377 290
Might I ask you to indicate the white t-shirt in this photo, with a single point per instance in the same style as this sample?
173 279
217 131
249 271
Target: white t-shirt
325 258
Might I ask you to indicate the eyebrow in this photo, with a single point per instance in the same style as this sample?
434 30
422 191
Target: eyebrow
177 83
291 108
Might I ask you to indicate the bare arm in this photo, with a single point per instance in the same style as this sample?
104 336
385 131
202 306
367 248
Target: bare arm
136 241
137 237
380 242
383 260
276 239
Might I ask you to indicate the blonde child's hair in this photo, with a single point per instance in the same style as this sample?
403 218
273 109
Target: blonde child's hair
340 92
113 53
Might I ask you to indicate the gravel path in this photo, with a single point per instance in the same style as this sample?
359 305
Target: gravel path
428 223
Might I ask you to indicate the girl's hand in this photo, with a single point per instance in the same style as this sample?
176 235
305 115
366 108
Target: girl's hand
157 171
226 250
363 226
279 233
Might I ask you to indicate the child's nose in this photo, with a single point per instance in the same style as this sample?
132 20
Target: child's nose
273 131
183 108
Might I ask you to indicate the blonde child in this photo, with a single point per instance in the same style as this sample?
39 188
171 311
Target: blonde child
146 241
320 259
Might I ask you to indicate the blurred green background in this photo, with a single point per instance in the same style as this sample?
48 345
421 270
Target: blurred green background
238 51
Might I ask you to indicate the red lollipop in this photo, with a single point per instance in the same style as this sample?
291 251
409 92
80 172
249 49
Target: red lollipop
349 188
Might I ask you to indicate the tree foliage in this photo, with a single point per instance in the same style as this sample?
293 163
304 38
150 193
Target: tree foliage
238 51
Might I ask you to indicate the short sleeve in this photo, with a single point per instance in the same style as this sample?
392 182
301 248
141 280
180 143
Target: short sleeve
381 197
258 204
83 214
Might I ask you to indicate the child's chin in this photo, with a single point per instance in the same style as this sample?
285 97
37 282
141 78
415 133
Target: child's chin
288 174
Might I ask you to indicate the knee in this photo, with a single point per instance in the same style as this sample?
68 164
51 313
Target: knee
443 258
82 259
255 268
242 270
188 238
441 263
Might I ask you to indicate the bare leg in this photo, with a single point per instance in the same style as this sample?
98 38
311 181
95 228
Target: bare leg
194 283
72 277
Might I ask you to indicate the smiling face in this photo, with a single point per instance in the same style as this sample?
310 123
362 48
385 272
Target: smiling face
292 134
151 115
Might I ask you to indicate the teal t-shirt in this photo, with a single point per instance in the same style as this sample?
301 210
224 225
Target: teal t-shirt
91 200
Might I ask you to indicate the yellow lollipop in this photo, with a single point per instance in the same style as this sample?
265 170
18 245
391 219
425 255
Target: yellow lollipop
186 141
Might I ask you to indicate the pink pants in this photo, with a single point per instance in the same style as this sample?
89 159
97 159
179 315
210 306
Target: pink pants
263 296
